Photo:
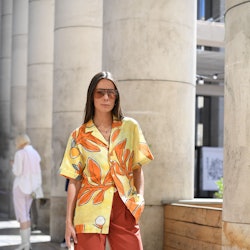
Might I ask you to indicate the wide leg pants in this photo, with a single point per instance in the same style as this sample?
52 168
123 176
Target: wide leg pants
124 233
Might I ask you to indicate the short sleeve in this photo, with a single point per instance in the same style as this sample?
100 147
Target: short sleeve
73 161
142 153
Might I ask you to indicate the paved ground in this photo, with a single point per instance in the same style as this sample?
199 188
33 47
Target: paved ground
10 238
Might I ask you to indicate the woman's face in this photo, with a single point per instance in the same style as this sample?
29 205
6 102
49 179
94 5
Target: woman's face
105 96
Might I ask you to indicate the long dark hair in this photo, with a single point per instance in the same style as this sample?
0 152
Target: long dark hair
90 108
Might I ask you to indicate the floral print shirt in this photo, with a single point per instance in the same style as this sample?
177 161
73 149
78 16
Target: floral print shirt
104 167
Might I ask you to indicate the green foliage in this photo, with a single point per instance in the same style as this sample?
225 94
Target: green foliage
219 193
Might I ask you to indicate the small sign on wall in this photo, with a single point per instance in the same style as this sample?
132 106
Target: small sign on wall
212 167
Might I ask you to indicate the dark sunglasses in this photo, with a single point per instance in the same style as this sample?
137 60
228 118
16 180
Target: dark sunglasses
112 93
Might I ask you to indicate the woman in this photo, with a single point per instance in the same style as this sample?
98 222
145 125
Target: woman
27 171
103 161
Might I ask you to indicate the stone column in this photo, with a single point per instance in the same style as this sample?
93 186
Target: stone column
78 43
5 86
150 46
18 77
39 90
6 36
236 199
19 66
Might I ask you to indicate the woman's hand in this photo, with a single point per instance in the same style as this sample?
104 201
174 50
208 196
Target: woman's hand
70 235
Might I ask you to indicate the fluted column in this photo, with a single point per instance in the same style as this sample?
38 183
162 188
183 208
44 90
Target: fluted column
19 66
5 86
78 43
150 47
236 199
40 85
6 36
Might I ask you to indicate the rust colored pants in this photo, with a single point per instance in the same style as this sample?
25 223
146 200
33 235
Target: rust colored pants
124 233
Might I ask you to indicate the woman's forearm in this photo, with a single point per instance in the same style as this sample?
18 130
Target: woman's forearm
139 180
73 189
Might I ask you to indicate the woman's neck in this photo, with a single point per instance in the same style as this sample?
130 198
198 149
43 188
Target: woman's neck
103 120
104 125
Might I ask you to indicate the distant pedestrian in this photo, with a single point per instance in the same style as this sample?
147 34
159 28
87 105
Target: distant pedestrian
27 171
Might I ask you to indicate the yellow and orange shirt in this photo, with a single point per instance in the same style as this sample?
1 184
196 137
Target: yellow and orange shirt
102 168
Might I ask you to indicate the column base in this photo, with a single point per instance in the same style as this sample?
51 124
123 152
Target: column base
235 236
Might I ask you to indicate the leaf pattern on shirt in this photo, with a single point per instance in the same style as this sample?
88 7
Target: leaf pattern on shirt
78 168
115 134
135 206
116 128
116 124
87 140
123 165
94 186
121 168
146 151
